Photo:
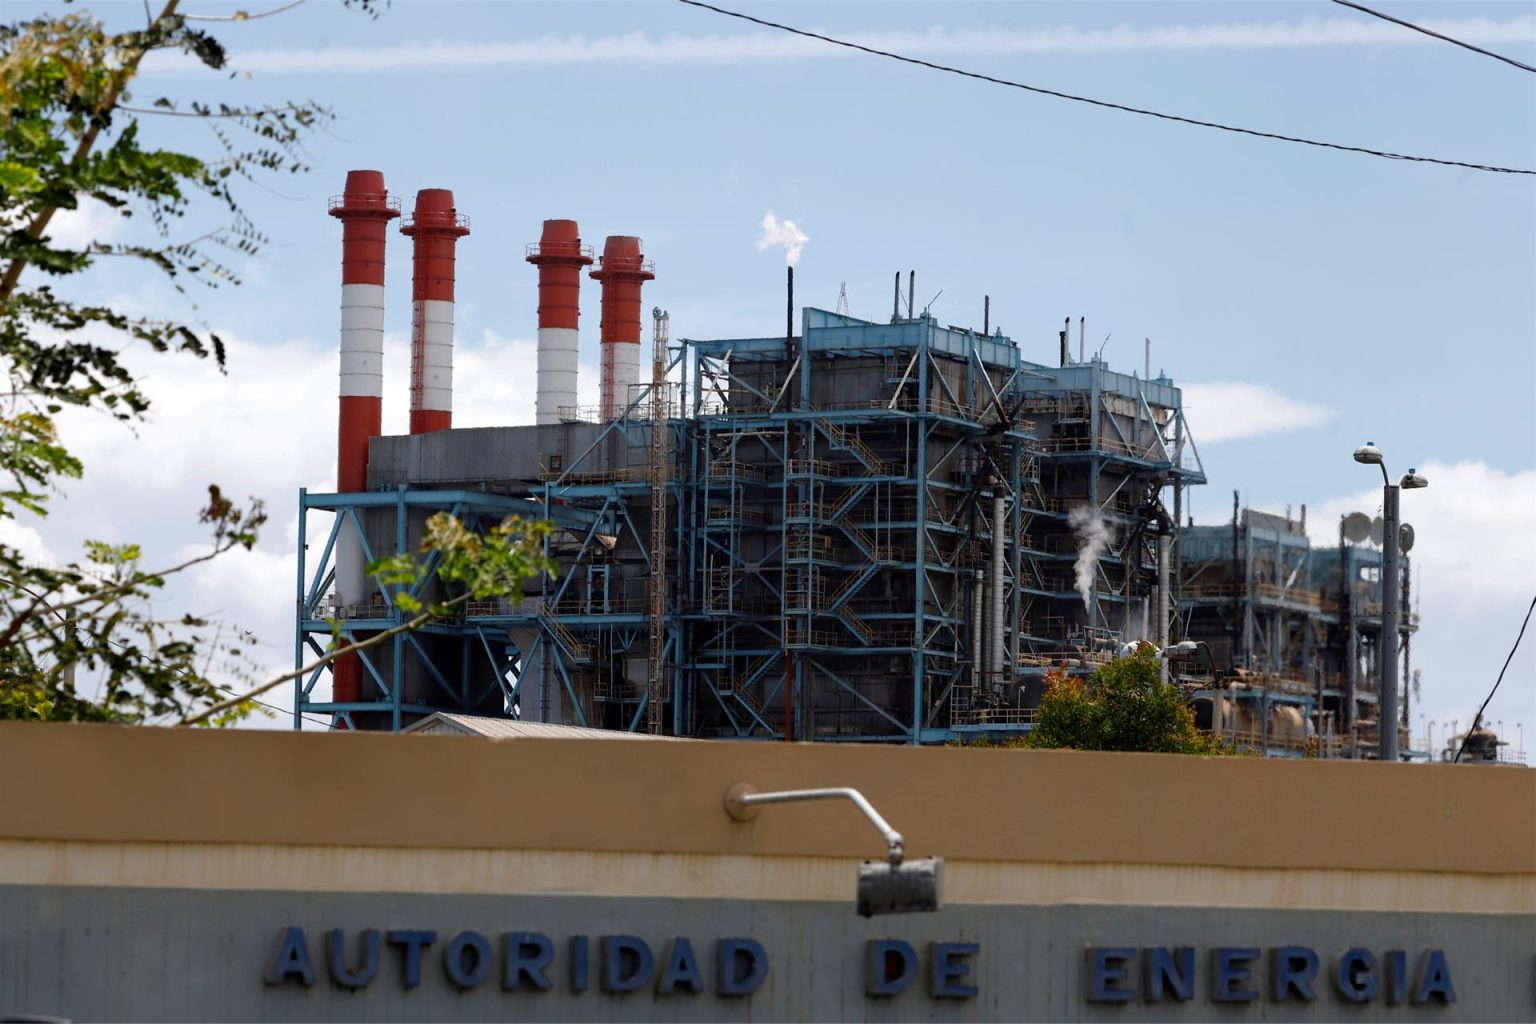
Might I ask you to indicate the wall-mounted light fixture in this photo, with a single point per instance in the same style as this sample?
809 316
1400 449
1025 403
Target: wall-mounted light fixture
894 886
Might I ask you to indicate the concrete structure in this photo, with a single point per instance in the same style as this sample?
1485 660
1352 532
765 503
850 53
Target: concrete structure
183 875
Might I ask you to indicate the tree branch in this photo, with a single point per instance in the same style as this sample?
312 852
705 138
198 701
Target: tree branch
330 656
39 223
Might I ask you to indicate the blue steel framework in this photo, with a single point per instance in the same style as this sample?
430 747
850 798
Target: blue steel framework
1295 626
837 568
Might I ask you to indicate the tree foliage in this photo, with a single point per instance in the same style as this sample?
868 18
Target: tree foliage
1124 706
72 131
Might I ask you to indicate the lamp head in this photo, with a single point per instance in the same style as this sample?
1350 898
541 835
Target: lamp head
910 887
1368 454
1412 480
1182 649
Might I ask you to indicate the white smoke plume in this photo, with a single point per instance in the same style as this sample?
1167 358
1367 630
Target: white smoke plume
1094 536
787 233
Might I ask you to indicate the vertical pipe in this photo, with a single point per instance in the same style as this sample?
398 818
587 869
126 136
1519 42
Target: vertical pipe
1162 602
896 299
1147 356
435 228
560 257
999 548
986 316
1405 609
911 294
622 271
1066 345
365 209
979 630
789 314
1082 330
1389 615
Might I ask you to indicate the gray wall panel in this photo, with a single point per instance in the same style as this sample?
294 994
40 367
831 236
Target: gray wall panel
162 954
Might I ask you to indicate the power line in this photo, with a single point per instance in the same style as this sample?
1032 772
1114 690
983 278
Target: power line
1430 32
1106 104
1496 683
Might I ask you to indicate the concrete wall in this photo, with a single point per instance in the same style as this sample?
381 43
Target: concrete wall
152 874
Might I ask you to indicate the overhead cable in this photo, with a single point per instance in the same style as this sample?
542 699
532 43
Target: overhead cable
1384 154
1496 683
1431 32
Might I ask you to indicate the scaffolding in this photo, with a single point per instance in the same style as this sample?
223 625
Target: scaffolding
861 532
1294 630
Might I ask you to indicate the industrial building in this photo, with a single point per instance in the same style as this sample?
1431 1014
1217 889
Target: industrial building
1292 634
852 530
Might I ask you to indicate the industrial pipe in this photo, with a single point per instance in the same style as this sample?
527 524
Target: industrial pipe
978 628
365 209
995 627
559 255
1162 602
435 227
622 271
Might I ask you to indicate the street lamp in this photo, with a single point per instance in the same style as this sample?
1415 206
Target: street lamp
1368 454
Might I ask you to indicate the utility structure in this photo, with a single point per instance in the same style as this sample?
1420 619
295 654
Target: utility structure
660 454
435 227
560 257
850 531
1295 631
365 209
622 271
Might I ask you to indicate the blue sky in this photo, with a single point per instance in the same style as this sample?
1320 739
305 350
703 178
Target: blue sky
1311 299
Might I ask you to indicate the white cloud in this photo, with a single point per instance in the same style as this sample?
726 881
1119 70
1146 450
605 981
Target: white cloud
265 429
1228 410
26 541
1474 572
91 221
777 233
678 49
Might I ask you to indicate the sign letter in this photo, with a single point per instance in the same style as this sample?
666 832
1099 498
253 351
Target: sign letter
890 966
292 959
528 955
1108 970
1291 970
1435 979
336 960
1168 973
411 944
949 966
627 963
681 968
1354 975
743 964
1230 975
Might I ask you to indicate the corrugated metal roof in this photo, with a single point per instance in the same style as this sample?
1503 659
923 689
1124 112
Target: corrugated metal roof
444 723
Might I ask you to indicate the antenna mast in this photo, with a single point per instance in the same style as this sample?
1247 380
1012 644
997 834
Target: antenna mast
842 299
656 585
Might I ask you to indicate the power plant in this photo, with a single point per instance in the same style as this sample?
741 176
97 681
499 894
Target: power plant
849 530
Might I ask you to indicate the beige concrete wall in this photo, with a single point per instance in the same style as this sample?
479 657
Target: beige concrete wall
103 783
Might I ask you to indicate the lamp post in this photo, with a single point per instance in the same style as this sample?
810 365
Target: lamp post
1370 455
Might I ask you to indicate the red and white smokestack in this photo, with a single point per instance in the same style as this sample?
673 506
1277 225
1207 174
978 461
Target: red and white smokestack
559 255
435 227
622 270
365 210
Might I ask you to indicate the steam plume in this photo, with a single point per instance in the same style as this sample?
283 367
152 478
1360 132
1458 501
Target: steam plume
1093 539
787 233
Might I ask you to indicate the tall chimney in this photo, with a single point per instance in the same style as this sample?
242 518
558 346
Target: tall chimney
559 255
365 210
435 227
621 271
